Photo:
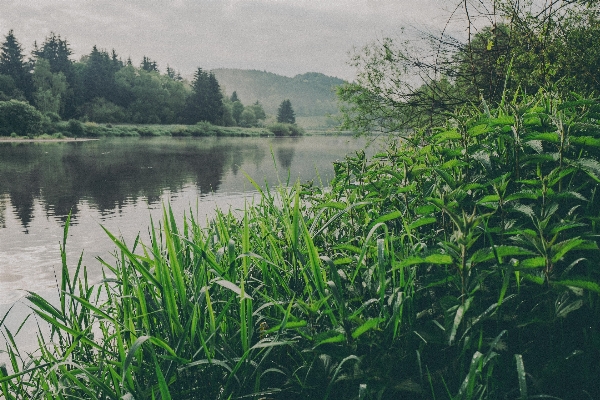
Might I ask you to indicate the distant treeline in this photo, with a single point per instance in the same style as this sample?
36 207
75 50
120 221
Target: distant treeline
101 87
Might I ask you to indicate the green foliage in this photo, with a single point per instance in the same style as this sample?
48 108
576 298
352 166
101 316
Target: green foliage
464 258
19 117
12 64
285 113
75 127
282 129
206 101
103 111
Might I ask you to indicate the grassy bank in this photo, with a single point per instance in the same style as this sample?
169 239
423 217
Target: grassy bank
77 129
459 264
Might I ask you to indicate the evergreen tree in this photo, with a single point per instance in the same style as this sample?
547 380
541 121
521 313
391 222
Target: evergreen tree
149 65
285 113
13 65
234 97
237 108
98 76
170 72
206 100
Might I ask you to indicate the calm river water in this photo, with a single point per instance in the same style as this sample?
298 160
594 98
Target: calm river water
122 183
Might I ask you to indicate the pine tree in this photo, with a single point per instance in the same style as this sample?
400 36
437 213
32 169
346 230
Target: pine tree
206 101
149 65
13 65
285 113
99 76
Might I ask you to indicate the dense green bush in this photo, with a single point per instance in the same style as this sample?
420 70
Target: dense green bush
283 129
19 117
75 128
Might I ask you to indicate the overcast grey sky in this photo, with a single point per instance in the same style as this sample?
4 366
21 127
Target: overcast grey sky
287 37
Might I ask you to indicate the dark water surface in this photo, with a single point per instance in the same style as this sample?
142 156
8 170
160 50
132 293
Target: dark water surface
122 183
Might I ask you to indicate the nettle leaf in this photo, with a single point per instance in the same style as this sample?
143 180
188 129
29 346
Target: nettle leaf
585 141
525 209
563 226
424 210
543 136
592 167
422 221
501 251
333 204
536 145
478 130
388 217
440 259
532 121
579 283
524 194
503 120
491 198
447 135
454 163
530 263
562 248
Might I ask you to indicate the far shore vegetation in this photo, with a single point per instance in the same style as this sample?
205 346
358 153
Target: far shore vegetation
461 262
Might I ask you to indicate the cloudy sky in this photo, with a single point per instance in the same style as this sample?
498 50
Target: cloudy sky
287 37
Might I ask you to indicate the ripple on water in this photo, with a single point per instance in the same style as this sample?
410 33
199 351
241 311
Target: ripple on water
32 268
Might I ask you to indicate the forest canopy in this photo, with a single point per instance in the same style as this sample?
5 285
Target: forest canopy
102 87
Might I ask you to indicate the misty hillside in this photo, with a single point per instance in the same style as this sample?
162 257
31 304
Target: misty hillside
311 94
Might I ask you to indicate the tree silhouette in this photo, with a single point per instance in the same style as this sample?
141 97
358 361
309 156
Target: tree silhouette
285 113
13 65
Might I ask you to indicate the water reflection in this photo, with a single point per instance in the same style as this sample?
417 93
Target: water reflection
120 184
110 173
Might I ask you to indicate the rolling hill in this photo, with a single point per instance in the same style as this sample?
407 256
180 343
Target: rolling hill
311 94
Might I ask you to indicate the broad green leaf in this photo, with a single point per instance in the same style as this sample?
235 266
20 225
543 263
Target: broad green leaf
438 259
333 339
543 136
422 221
431 259
489 199
460 312
587 141
478 130
388 217
579 283
447 135
370 324
454 163
424 210
333 204
502 251
535 262
503 120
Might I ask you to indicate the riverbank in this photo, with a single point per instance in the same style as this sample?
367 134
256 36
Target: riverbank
472 275
44 140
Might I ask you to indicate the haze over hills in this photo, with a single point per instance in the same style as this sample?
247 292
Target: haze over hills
311 94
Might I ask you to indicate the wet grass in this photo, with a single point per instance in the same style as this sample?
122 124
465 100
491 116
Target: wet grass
458 264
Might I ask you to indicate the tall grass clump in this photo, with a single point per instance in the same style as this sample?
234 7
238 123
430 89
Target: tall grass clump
458 264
